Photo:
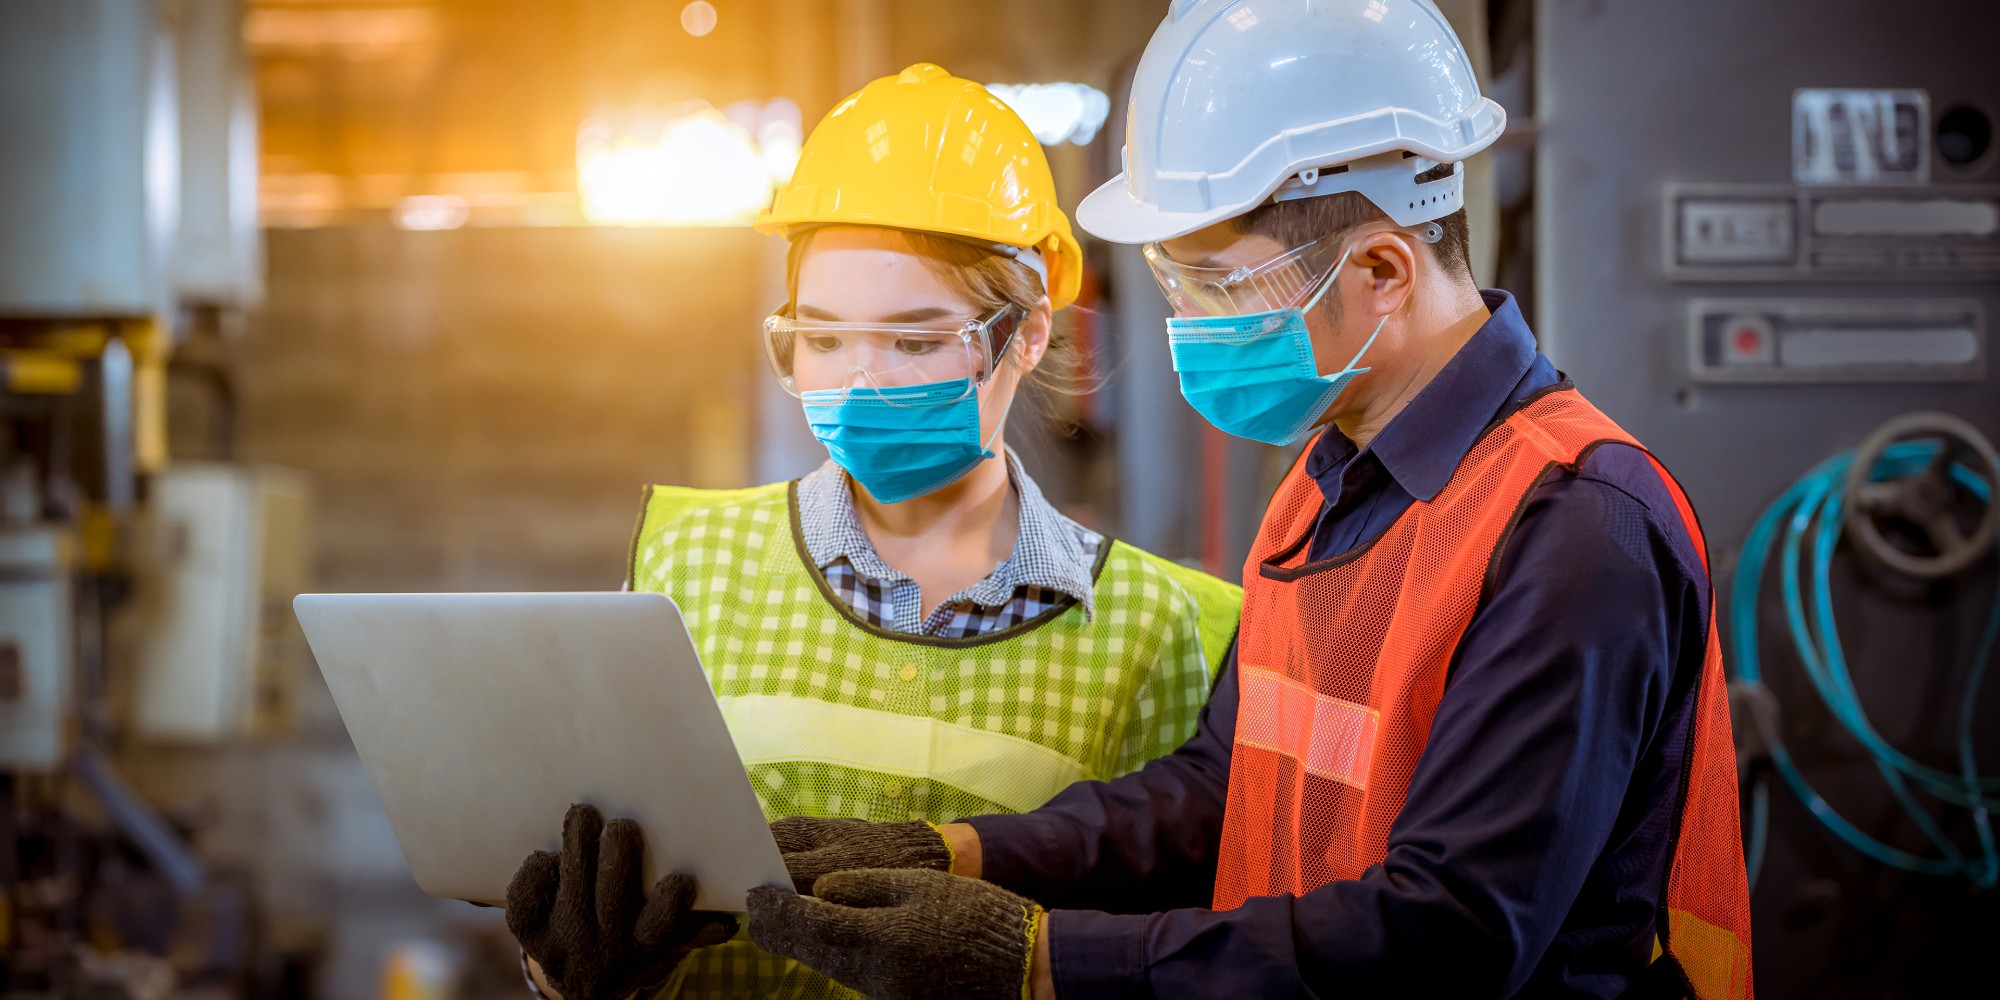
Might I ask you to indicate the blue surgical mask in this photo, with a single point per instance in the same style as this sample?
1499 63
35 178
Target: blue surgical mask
1254 375
902 441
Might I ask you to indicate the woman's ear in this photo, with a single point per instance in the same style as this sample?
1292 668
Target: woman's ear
1033 335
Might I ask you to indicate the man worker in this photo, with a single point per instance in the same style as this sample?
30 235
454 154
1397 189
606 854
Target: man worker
1472 739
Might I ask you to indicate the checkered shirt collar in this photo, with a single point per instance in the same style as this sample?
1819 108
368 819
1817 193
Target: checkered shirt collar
1050 550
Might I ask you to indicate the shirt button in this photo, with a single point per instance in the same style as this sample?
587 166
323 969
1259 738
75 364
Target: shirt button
909 672
891 789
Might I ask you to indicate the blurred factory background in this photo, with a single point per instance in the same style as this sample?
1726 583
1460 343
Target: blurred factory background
414 295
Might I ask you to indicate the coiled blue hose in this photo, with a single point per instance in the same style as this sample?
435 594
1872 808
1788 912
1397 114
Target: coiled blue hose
1809 516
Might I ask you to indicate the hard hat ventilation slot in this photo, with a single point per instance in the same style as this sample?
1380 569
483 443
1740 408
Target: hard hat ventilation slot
1441 172
1311 175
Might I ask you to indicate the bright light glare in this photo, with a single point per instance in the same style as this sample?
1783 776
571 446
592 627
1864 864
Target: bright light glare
780 157
780 131
1056 112
699 169
698 18
432 211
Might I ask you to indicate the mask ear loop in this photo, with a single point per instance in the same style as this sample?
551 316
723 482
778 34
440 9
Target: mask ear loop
1364 347
1331 277
1431 233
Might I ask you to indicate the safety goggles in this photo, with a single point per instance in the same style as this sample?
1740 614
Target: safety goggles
1284 281
1279 283
811 354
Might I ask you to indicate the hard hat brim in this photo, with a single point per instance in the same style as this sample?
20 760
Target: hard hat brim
1112 214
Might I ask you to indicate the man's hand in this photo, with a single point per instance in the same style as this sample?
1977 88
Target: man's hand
583 916
901 934
1041 974
813 847
966 857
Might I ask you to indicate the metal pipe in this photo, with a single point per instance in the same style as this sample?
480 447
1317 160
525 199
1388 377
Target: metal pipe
222 387
115 385
161 846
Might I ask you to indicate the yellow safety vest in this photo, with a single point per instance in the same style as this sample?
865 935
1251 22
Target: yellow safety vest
836 717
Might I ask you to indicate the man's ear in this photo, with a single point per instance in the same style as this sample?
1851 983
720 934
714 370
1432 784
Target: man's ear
1392 264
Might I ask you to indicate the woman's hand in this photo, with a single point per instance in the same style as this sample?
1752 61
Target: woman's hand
584 918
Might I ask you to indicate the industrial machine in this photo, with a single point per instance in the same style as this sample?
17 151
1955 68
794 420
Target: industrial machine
1754 254
133 590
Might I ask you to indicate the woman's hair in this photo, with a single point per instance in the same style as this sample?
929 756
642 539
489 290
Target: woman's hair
989 281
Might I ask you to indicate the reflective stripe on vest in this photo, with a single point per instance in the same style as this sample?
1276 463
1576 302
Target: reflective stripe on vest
1016 773
1329 733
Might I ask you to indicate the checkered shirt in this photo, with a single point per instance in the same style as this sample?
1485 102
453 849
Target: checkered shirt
1052 559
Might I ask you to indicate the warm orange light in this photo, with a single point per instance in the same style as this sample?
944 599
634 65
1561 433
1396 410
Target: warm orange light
432 211
700 169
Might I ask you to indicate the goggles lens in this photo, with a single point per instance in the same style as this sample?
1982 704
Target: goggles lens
812 355
1286 280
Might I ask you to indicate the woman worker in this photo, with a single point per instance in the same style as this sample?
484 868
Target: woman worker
912 632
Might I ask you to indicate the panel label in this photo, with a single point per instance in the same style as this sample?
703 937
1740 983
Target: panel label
1861 136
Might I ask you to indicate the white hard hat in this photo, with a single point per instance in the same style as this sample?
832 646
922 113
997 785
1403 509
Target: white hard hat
1237 101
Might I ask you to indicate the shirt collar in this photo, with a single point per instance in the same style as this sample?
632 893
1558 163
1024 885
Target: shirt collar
1050 550
831 527
1423 445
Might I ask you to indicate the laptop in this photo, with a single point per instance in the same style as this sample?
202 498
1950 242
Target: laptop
482 717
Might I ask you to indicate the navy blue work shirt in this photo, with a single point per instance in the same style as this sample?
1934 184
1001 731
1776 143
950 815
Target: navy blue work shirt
1530 856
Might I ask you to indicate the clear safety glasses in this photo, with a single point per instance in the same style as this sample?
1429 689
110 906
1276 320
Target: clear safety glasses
1279 283
812 355
1287 280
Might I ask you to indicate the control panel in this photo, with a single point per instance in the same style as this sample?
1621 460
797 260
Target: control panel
1784 233
1837 340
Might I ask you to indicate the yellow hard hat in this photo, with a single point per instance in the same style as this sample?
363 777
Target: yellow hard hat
928 151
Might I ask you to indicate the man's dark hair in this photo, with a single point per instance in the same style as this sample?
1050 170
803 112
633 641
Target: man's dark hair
1300 221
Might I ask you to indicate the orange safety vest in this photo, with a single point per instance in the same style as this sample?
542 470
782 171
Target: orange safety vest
1328 734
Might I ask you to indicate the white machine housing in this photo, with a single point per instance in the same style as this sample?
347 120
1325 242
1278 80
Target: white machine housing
218 653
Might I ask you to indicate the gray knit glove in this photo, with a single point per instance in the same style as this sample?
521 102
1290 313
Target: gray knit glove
903 933
585 917
815 847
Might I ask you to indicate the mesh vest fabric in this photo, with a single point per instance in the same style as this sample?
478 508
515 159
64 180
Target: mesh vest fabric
836 717
1329 734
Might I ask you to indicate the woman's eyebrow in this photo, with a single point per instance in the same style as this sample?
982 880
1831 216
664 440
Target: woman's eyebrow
918 315
906 316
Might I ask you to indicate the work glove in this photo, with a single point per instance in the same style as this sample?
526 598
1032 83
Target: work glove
903 933
585 917
815 847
